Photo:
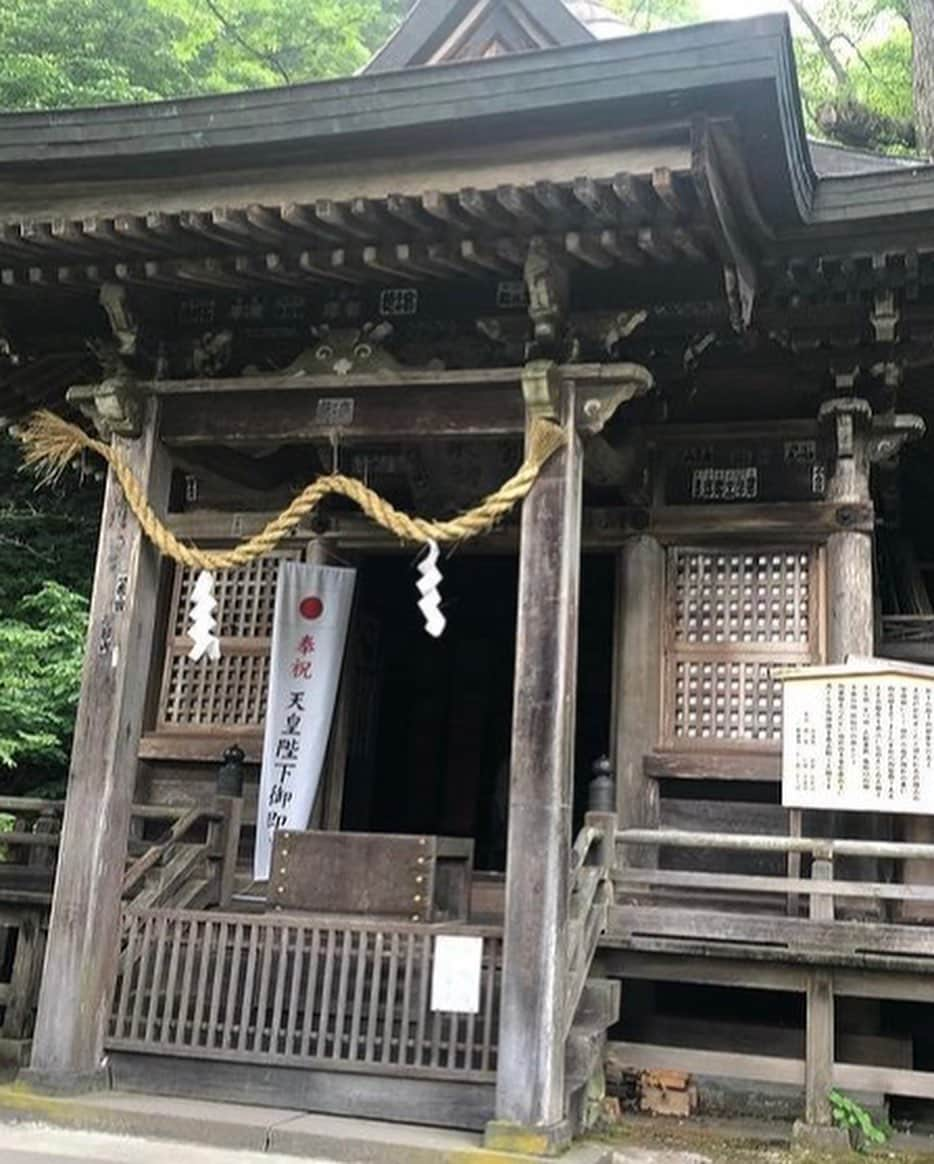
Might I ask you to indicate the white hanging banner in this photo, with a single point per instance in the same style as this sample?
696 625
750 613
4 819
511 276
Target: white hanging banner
309 634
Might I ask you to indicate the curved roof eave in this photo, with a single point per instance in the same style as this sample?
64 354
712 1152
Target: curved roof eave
742 69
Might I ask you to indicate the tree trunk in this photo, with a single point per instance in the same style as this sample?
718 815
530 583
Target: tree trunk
922 30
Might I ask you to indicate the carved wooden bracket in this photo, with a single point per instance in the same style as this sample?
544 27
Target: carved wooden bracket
114 406
597 398
884 436
541 387
547 282
598 402
845 414
890 434
885 317
123 324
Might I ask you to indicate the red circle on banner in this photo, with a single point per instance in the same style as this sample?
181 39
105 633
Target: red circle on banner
311 608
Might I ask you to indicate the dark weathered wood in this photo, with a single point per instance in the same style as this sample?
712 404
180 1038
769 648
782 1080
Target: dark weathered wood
819 1016
762 764
274 417
530 1079
261 977
753 883
819 1047
837 941
82 949
456 1103
637 683
788 520
372 875
649 1057
25 975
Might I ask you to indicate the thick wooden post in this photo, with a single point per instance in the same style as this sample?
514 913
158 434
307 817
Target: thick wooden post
849 552
83 943
530 1091
819 1017
640 609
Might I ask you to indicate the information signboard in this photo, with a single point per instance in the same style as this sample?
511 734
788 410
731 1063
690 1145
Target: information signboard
859 736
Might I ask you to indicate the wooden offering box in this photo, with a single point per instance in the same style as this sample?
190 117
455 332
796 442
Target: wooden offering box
410 878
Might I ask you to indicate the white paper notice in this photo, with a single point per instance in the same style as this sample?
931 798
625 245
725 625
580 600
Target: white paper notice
455 981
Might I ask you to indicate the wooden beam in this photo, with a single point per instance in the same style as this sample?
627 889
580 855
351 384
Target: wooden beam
276 418
531 1074
714 765
651 1057
84 933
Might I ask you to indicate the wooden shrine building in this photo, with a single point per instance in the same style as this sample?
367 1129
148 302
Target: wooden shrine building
517 211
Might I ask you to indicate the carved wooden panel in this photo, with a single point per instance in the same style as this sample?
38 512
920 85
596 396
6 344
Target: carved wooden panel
231 692
734 615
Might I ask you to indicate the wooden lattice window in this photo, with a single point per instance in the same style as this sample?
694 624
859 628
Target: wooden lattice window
734 616
231 692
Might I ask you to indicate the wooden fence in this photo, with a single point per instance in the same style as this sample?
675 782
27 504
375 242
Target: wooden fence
299 990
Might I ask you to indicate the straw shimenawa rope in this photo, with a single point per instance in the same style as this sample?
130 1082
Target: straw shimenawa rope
51 443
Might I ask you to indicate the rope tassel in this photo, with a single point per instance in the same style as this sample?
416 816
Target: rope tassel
51 443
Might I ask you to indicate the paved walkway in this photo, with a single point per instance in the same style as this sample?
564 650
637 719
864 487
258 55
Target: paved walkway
33 1144
38 1144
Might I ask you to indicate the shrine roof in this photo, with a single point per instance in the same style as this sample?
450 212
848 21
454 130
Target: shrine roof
567 141
741 69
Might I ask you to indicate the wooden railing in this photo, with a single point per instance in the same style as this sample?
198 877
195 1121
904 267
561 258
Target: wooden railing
717 909
344 993
34 839
590 899
176 866
192 863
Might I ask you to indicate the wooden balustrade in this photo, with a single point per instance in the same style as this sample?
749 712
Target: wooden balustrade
588 908
299 990
759 892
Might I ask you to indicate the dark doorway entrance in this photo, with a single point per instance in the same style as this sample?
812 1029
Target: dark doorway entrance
429 748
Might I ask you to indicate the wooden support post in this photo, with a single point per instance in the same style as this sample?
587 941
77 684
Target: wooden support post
530 1089
819 1035
850 590
849 552
84 933
637 698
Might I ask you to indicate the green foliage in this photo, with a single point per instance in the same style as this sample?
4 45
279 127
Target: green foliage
59 53
863 1129
41 649
871 42
44 533
646 15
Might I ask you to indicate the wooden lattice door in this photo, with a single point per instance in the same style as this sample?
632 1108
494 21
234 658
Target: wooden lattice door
205 697
735 616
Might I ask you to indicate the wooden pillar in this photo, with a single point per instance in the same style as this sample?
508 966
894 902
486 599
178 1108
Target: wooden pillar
530 1090
84 933
637 698
819 1017
851 627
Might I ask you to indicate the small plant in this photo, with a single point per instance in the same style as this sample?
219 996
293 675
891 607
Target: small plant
7 824
863 1130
